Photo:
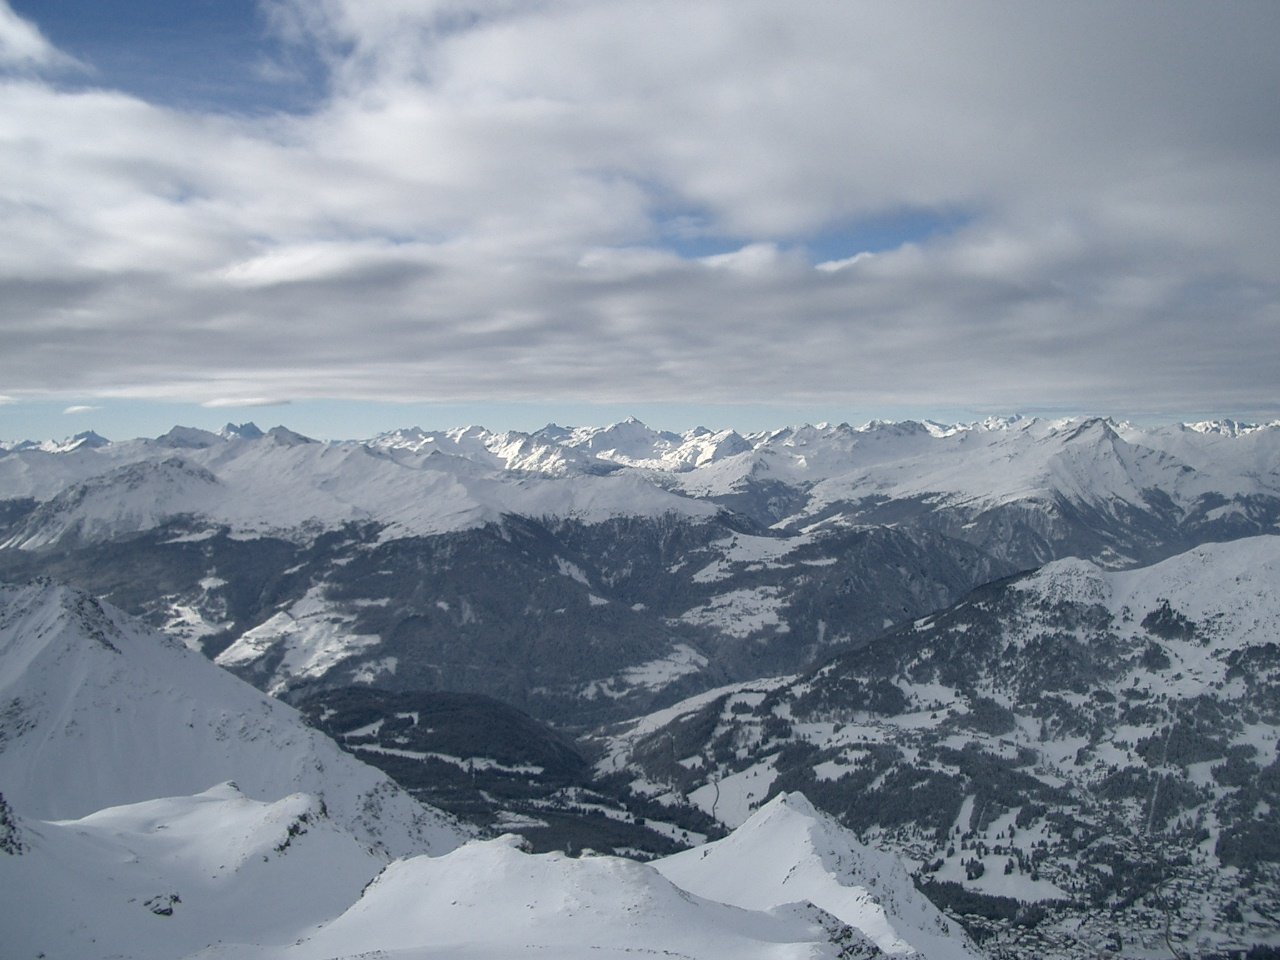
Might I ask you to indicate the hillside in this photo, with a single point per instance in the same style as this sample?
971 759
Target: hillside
1102 743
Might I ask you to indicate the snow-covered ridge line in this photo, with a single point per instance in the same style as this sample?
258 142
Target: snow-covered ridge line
102 710
281 483
216 875
421 482
632 431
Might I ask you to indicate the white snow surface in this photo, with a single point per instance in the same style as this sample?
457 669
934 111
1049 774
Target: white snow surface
490 900
100 710
733 799
217 875
788 852
741 613
314 639
222 865
682 661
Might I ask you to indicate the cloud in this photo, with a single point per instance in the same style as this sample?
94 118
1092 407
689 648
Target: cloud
492 200
24 47
220 402
80 408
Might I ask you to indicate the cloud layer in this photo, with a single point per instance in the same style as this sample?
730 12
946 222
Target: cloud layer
491 200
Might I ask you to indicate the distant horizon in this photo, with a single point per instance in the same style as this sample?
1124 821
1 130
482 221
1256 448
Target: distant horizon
336 421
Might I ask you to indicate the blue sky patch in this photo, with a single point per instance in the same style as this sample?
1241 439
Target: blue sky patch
217 55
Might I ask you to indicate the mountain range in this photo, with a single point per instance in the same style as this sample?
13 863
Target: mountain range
1031 662
310 853
455 559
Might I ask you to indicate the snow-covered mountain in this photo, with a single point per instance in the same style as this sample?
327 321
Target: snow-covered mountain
640 565
787 851
98 711
281 483
88 440
217 875
167 877
1079 758
490 901
1103 743
1092 472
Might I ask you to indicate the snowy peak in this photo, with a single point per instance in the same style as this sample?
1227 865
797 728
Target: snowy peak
997 423
631 443
1093 430
702 447
511 451
904 428
44 624
287 438
189 438
1228 428
170 876
788 851
126 499
810 433
489 899
103 711
628 442
553 433
242 431
88 440
217 874
413 484
192 824
1090 486
1221 587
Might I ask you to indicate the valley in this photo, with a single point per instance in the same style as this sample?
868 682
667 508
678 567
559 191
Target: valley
1035 661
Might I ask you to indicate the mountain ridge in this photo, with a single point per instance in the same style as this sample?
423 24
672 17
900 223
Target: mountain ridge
638 565
1085 739
99 711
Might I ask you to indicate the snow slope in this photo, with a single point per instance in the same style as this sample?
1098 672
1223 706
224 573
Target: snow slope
788 851
166 877
97 710
992 463
217 875
490 900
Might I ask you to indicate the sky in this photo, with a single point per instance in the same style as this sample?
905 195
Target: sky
354 215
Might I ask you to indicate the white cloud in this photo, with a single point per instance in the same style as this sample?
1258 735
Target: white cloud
80 408
220 402
753 259
482 209
24 47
